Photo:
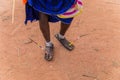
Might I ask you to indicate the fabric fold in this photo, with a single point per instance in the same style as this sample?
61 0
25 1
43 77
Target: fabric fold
50 7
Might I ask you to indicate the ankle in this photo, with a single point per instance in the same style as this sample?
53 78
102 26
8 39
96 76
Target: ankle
49 43
61 36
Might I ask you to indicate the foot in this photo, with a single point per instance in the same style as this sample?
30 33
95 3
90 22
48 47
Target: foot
68 45
49 51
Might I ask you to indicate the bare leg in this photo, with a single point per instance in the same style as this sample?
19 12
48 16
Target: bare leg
60 37
64 28
44 26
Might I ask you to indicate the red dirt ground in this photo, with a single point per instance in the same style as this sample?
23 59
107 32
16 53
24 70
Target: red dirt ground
95 33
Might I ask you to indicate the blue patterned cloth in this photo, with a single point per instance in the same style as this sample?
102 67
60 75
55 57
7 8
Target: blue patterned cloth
50 7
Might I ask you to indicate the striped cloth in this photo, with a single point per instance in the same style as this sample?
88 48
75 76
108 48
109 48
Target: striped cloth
57 10
73 11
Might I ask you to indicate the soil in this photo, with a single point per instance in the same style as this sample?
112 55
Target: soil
95 34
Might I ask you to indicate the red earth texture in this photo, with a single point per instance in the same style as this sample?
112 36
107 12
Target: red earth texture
95 34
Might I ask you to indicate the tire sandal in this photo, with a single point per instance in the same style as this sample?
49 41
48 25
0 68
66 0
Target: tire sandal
49 52
68 45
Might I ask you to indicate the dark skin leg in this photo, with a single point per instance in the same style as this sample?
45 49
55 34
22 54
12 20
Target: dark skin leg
45 29
68 45
44 26
64 28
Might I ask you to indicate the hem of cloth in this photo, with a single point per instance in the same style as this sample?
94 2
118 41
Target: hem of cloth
48 12
33 15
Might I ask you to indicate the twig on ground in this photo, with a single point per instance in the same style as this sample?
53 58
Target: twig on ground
13 10
89 76
113 3
28 41
36 43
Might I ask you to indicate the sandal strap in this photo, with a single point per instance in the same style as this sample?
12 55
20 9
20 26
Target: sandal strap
49 48
68 45
49 53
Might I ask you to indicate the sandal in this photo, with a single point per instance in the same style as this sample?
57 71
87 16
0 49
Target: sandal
68 45
49 51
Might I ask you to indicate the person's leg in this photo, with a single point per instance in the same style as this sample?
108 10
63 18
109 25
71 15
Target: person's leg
44 26
67 44
64 28
45 29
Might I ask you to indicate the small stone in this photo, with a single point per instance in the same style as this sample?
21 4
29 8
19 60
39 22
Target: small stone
96 50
